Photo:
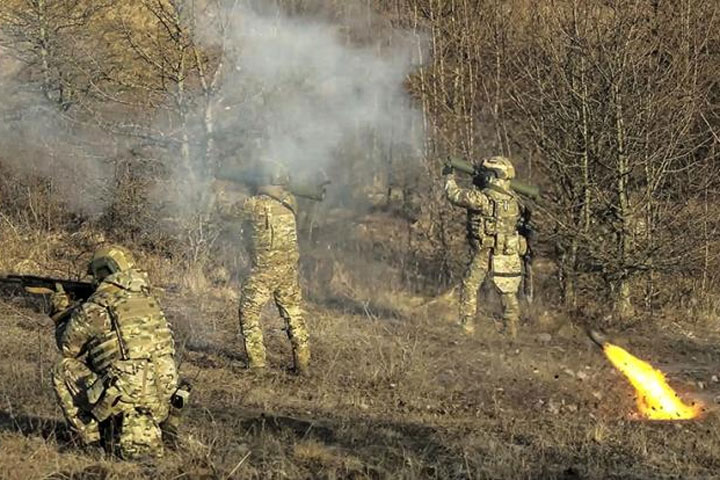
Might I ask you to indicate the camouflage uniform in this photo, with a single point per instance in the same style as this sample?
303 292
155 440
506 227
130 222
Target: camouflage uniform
269 221
118 364
495 246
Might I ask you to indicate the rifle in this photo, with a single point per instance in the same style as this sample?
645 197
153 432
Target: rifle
45 286
307 190
520 187
35 285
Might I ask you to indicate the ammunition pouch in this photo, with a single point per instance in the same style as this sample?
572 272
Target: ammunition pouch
490 226
484 242
104 396
105 352
522 246
507 244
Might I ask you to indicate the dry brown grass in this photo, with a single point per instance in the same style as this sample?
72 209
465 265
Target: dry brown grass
396 392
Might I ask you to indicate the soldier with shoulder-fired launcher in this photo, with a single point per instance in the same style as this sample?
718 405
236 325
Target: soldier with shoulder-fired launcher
496 247
269 221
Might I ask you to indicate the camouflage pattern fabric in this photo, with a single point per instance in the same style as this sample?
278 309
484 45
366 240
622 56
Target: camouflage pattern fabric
140 435
495 248
269 221
127 368
71 379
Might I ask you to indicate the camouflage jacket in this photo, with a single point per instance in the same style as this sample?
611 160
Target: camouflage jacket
492 217
270 228
120 321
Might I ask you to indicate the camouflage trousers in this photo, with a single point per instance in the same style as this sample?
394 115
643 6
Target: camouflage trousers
281 284
137 400
506 279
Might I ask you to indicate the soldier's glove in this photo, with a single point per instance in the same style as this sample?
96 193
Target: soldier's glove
59 301
448 169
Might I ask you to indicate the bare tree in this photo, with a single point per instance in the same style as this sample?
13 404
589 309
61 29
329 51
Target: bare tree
612 96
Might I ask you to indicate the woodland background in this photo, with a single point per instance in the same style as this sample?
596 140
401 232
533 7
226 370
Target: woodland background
612 107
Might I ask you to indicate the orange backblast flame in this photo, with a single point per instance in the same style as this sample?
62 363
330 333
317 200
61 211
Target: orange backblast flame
655 399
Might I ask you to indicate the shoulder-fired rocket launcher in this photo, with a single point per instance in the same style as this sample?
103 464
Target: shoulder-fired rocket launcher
519 187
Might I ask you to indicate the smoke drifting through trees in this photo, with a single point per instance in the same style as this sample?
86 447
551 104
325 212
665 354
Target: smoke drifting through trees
37 141
613 106
298 90
199 84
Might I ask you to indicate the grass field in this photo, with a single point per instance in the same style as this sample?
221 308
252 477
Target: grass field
397 394
396 391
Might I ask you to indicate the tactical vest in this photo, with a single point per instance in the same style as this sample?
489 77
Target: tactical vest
496 227
272 229
139 329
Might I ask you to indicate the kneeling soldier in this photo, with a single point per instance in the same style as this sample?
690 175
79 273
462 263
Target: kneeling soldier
117 365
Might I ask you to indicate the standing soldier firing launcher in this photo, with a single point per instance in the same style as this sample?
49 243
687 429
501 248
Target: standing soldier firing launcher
496 247
117 361
269 221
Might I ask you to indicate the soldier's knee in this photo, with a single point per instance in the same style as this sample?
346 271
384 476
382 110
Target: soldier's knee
299 337
167 376
472 280
292 313
471 284
249 320
251 331
510 298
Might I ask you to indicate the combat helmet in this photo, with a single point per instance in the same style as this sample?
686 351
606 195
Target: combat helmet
108 260
501 166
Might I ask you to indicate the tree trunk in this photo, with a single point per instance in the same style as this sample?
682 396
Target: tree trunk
623 302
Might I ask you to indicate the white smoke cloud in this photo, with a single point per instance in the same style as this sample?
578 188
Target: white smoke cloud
37 140
299 91
296 90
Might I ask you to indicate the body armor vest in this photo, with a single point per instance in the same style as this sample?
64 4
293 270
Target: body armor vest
496 227
272 229
139 329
